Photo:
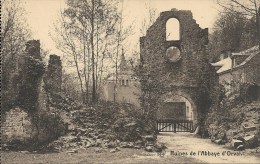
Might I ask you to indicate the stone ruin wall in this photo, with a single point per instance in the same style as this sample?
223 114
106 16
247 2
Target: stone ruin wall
20 120
184 75
53 75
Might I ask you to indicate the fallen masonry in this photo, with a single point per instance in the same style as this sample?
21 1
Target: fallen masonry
85 131
242 131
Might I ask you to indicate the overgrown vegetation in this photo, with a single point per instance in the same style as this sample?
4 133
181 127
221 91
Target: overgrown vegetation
14 35
236 28
233 114
105 125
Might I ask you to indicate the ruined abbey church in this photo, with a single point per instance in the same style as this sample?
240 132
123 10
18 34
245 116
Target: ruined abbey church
176 65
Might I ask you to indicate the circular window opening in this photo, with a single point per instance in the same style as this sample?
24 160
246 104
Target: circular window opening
173 54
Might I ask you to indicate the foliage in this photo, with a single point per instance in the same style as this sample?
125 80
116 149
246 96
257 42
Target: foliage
30 77
69 83
14 34
232 109
129 120
113 119
152 85
249 10
248 92
232 31
51 124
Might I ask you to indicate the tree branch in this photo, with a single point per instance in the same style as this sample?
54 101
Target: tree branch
244 7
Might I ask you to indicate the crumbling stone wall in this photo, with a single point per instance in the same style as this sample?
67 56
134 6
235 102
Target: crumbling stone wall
31 72
187 75
53 78
17 126
19 113
28 116
18 73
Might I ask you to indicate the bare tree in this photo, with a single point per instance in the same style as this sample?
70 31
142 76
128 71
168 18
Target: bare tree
14 35
88 23
117 51
229 34
148 21
67 43
249 8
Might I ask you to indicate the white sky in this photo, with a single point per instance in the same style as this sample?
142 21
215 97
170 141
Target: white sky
41 14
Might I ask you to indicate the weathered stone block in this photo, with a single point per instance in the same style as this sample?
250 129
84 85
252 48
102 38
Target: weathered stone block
235 143
149 138
17 126
230 134
149 148
218 141
53 77
240 147
251 141
249 128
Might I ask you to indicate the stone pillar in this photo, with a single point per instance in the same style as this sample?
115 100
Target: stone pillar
54 74
33 49
30 75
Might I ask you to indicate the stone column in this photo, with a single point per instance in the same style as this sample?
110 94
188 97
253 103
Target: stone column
54 74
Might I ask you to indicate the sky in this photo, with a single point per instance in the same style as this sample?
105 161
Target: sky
42 14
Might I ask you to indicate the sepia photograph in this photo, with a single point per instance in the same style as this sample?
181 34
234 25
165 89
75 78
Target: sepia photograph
130 81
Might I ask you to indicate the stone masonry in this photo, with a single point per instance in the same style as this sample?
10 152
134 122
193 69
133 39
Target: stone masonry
184 76
17 126
54 74
28 116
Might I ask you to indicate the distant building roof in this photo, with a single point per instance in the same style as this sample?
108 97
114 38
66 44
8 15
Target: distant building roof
248 52
226 64
124 65
124 69
111 78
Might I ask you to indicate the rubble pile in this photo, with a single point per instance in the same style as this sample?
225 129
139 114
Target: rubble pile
240 129
94 127
62 102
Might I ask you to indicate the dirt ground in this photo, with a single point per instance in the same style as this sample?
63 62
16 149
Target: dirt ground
179 148
91 156
188 145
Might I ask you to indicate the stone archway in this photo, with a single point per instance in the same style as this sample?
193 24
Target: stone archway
183 70
177 101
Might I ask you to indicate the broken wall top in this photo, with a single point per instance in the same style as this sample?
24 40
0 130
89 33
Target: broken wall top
33 49
184 66
189 30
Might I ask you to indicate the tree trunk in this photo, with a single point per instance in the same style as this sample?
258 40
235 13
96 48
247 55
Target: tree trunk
102 63
80 80
97 60
117 51
93 55
85 65
258 26
87 89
